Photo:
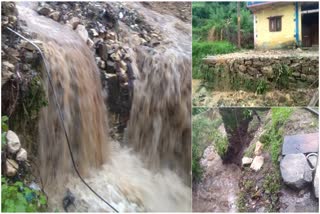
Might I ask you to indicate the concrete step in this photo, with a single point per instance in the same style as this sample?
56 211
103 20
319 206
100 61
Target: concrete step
302 143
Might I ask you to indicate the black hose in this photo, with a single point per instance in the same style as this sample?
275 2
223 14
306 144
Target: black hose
61 119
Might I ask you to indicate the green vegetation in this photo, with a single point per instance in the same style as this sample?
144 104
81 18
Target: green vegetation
282 75
218 21
262 87
273 136
203 49
16 197
204 132
4 129
198 110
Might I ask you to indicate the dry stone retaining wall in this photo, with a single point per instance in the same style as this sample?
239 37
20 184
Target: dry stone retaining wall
303 71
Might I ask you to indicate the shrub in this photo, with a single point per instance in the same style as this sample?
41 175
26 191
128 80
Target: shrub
17 197
203 49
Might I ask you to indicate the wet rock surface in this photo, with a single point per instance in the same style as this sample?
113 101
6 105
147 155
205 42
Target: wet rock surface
295 171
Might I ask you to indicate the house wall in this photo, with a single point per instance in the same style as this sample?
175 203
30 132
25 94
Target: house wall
264 39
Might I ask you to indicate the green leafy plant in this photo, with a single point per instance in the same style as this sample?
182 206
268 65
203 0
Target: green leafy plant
272 137
202 49
4 129
262 87
282 75
16 197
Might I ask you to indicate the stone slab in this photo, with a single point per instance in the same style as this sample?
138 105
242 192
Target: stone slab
302 143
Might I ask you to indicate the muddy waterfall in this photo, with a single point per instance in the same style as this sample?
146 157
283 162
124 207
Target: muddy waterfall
151 171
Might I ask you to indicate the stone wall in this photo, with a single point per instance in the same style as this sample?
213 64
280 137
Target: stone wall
298 71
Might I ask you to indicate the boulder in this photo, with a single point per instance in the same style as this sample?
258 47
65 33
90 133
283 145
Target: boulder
267 70
22 155
55 15
83 33
242 68
13 142
257 163
11 167
246 161
258 148
74 21
45 10
295 171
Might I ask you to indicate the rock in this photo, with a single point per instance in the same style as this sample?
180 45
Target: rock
22 155
90 43
5 76
55 15
115 56
94 32
246 161
83 33
111 67
111 36
74 21
45 10
242 68
316 182
295 171
267 70
8 66
34 186
11 167
123 65
13 142
258 148
257 163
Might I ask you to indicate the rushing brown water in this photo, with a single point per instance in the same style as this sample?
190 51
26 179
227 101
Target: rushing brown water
159 126
77 85
160 122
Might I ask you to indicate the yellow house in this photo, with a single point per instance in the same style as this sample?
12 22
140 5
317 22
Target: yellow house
285 24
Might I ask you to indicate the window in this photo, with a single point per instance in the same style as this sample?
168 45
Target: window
275 23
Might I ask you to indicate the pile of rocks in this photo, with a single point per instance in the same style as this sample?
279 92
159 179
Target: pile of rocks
98 24
299 171
255 163
14 154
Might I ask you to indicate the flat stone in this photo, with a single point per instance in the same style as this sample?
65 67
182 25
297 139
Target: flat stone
246 161
258 148
295 171
302 143
257 163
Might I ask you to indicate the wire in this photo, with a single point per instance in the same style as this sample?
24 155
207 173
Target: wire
61 119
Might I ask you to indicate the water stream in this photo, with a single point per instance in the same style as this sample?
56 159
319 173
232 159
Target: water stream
159 125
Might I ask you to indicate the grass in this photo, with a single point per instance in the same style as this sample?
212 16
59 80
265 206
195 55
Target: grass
203 49
273 137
